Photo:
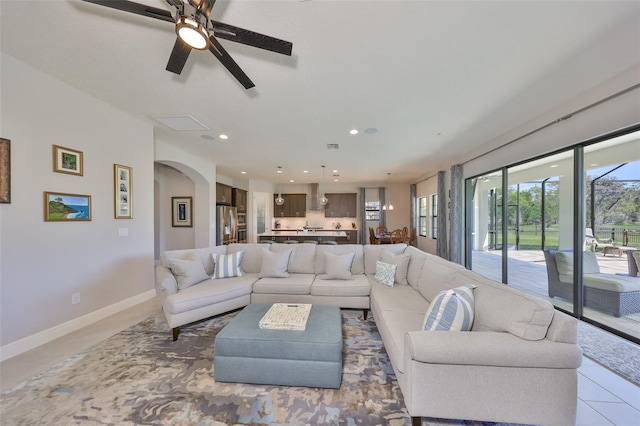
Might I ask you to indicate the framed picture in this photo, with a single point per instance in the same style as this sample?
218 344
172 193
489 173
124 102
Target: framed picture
66 160
123 191
181 213
5 170
61 207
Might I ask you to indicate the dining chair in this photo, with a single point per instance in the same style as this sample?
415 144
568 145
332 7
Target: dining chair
413 237
405 232
381 230
372 236
396 236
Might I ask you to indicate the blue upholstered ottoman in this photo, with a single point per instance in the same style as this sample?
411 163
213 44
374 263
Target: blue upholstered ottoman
245 353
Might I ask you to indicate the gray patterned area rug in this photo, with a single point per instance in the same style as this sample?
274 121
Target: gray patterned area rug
141 377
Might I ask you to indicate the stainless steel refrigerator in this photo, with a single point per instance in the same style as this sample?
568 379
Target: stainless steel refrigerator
227 225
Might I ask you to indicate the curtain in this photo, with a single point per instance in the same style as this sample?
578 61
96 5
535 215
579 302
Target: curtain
364 232
441 245
413 221
383 213
456 221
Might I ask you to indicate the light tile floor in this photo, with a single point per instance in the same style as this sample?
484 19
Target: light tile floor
604 398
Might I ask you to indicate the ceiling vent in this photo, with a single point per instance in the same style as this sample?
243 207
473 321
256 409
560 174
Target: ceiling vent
181 123
333 146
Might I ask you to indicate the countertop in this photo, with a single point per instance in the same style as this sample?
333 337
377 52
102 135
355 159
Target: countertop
311 233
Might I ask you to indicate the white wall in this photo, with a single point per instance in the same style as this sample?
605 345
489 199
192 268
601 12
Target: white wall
43 263
172 183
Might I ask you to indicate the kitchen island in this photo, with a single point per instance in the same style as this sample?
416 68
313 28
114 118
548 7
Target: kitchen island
339 237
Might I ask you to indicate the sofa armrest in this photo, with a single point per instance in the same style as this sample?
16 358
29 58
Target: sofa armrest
489 349
166 282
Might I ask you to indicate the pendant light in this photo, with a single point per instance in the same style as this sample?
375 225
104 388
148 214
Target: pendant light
279 199
387 204
323 200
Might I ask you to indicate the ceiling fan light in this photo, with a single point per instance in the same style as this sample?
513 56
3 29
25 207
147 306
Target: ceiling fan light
192 33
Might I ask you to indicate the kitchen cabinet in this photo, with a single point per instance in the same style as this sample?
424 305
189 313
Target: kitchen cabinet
223 194
295 205
341 205
239 200
352 237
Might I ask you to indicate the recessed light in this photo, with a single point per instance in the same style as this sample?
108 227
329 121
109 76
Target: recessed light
593 164
335 171
243 173
553 166
353 131
291 181
223 137
305 171
336 180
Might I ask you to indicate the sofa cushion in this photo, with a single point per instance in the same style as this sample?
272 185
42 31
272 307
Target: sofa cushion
502 308
385 273
188 272
451 310
295 284
398 298
204 254
274 264
372 254
402 264
357 286
416 264
207 293
357 265
437 275
227 265
337 267
564 263
252 257
303 257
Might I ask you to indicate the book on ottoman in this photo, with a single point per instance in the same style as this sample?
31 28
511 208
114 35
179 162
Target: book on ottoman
286 316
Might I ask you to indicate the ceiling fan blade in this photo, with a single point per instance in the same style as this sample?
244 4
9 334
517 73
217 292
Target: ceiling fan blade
216 48
140 9
250 38
179 56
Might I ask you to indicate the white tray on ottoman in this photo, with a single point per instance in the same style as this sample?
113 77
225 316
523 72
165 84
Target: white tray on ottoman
246 353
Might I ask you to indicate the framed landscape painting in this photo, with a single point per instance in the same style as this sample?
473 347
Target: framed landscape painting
61 207
66 160
123 191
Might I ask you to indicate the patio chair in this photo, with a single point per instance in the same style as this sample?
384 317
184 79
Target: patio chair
591 240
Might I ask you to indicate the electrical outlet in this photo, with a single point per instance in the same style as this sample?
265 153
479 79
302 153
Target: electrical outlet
75 298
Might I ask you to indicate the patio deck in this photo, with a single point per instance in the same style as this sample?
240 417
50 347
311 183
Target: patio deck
528 272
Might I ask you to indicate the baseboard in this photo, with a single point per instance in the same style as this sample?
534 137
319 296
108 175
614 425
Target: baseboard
16 348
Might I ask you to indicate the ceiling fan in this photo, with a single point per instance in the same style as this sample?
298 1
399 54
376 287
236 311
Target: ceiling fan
195 30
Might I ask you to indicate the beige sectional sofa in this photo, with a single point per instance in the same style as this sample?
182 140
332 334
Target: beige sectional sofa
518 363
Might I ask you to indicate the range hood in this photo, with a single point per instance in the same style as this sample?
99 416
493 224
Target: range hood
315 196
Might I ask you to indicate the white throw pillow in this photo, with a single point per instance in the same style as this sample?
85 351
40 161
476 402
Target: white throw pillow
227 265
402 264
337 267
564 263
275 264
188 272
385 273
451 310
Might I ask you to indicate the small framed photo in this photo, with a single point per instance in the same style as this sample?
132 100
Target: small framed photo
123 191
181 212
61 207
5 170
66 160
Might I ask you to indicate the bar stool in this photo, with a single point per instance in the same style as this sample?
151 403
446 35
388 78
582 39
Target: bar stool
291 241
266 242
328 242
310 242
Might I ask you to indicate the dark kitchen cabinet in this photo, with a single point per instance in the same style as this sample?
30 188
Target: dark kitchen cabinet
239 200
341 205
223 194
295 205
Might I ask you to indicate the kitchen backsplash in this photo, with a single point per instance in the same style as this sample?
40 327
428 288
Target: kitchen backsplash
315 219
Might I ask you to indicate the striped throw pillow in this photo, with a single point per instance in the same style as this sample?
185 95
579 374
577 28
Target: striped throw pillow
227 265
451 310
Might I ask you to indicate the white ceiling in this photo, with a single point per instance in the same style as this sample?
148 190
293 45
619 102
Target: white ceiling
437 79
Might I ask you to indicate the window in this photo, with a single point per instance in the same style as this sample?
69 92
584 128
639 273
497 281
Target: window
372 210
422 216
434 216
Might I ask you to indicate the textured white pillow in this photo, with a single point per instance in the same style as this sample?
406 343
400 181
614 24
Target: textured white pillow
402 264
227 265
187 272
564 263
275 264
451 310
337 267
385 273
